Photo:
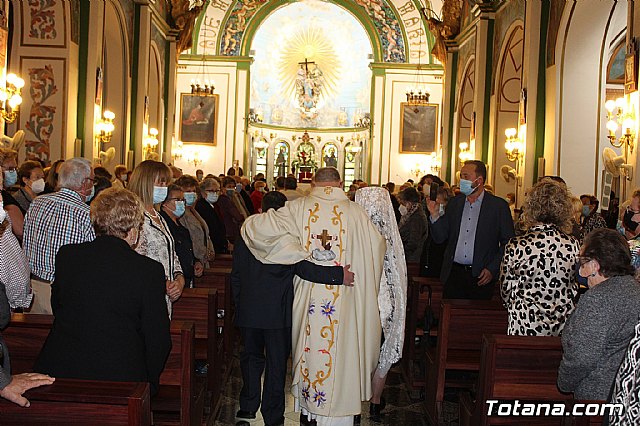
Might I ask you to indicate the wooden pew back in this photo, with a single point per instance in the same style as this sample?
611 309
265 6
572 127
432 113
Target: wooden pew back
516 367
69 401
462 324
25 337
200 306
220 279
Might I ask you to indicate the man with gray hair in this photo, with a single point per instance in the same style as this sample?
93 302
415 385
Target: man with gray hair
54 220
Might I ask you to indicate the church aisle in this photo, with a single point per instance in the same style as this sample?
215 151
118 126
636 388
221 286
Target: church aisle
400 410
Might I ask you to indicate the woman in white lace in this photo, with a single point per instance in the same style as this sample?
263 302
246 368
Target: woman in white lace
392 298
149 181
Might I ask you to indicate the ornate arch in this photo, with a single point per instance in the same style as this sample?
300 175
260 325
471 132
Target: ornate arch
378 18
464 106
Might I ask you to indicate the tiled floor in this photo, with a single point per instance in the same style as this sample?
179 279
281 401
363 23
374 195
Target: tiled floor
400 410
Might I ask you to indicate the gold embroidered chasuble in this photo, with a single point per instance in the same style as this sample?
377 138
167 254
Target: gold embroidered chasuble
336 329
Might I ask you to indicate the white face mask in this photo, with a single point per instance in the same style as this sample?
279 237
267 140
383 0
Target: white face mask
123 178
3 212
38 186
403 210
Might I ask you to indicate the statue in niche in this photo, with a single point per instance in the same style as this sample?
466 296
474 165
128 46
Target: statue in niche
330 159
443 29
183 18
281 163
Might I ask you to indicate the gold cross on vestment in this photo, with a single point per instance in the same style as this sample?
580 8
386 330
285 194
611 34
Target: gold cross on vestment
325 238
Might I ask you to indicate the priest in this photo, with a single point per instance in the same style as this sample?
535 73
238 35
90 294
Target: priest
336 330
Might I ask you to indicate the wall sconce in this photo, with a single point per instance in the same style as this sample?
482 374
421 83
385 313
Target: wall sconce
465 152
624 115
514 147
104 128
418 171
178 151
436 162
150 143
254 116
193 157
10 98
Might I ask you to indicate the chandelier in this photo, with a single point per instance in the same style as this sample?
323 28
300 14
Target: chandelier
10 98
104 128
418 94
203 83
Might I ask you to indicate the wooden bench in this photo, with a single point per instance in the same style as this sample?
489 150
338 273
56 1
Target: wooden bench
200 305
69 401
515 367
422 293
220 279
180 397
462 324
222 261
179 391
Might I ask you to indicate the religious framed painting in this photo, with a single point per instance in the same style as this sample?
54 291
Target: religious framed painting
631 71
198 118
418 128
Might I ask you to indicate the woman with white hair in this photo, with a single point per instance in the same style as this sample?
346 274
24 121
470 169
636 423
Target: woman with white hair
392 298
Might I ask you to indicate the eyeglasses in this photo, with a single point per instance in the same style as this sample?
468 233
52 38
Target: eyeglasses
583 260
213 191
175 199
92 180
10 169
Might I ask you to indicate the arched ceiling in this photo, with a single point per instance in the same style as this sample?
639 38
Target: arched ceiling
396 27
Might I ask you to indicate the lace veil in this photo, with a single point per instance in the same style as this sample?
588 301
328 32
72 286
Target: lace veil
392 298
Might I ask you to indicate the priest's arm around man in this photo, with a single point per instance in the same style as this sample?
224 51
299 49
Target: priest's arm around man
335 330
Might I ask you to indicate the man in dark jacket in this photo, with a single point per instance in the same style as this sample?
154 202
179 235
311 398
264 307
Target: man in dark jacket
476 226
263 295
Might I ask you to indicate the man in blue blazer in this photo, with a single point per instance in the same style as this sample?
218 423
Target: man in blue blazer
477 225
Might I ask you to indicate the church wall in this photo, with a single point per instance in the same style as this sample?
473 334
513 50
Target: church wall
396 166
580 115
231 89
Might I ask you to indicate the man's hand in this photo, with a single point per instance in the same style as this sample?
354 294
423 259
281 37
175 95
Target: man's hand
348 276
485 277
432 206
21 383
198 268
174 288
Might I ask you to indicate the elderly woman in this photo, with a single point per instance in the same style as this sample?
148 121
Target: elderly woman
597 334
113 326
413 224
31 180
9 167
209 209
591 218
149 182
392 298
173 208
197 226
14 267
537 277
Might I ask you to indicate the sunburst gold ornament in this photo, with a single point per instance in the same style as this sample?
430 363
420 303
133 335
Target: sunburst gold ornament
309 44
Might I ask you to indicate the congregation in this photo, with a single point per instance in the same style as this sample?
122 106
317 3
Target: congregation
319 275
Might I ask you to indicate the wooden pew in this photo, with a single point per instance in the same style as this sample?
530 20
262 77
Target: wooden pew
220 279
180 398
422 292
222 261
462 324
179 388
515 367
69 401
200 305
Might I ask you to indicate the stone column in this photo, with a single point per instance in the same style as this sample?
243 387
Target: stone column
170 80
448 108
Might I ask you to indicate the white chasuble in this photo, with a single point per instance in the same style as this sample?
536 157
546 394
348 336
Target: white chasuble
336 329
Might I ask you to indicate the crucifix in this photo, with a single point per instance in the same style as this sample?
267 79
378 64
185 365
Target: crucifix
306 64
325 239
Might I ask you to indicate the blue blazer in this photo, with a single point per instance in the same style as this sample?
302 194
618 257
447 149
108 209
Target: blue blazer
495 229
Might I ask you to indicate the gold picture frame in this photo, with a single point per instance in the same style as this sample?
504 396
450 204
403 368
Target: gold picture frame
199 118
631 71
418 128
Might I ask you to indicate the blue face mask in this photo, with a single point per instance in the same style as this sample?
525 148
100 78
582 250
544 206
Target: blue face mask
179 211
190 198
466 186
159 194
239 187
91 194
212 197
585 211
10 178
230 192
